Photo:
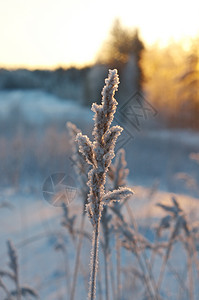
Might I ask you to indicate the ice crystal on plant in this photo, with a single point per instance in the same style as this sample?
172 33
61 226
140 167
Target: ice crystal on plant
100 152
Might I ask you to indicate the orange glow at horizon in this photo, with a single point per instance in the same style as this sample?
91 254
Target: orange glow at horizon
49 34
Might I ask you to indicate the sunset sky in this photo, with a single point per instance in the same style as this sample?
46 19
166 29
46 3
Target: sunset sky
52 33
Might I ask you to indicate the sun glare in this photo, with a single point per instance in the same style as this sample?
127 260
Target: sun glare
48 34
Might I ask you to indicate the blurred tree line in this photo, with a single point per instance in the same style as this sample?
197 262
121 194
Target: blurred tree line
172 82
123 51
123 45
168 77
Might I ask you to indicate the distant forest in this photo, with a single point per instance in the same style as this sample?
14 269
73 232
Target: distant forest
168 77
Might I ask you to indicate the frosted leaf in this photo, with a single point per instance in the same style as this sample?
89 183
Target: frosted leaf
111 137
96 107
117 195
73 130
85 147
13 256
172 209
175 202
108 157
120 174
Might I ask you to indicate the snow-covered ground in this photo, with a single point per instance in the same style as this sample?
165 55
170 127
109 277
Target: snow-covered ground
34 144
37 107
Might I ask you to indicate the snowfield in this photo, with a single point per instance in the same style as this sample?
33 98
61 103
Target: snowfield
37 106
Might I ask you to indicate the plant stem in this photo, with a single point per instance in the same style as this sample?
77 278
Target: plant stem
99 280
18 286
112 277
145 277
77 260
94 261
2 285
118 267
106 274
190 275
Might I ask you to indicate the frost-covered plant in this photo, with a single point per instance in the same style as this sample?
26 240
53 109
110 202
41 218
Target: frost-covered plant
181 230
20 291
107 229
80 166
132 240
68 221
81 169
137 243
99 155
118 171
61 247
118 174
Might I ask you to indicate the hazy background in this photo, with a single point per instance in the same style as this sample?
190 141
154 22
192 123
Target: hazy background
54 57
